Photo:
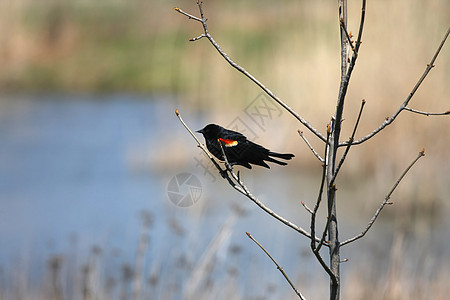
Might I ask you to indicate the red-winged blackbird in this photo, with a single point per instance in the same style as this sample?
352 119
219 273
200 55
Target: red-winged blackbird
238 150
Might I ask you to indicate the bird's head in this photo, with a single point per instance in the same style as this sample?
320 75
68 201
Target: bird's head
211 131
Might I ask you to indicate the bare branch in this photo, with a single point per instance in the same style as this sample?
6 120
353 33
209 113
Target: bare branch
386 201
238 185
307 208
324 232
406 102
316 250
268 210
319 197
346 79
361 26
197 38
347 149
187 15
347 35
310 147
426 113
246 73
278 266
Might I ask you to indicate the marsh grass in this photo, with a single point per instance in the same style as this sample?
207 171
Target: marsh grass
142 46
104 274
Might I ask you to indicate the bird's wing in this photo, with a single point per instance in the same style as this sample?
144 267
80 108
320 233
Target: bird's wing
232 138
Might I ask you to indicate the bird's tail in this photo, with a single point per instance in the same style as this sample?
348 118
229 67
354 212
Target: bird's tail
286 156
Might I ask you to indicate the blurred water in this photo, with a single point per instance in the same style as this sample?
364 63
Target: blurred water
64 169
77 172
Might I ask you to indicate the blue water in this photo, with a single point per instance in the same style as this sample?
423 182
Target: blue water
64 169
77 171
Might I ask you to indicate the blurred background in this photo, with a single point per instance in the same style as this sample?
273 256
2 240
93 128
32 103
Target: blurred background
104 195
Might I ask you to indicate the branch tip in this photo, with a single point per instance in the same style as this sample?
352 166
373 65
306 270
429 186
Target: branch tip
202 19
248 234
422 153
177 113
405 103
310 146
176 8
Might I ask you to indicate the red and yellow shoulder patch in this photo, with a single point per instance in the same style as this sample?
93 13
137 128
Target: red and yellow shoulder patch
228 142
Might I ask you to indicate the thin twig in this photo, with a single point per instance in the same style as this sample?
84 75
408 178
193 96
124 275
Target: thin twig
307 208
347 35
278 267
347 149
197 38
238 185
310 147
406 102
426 113
319 197
324 232
187 15
316 250
346 79
386 201
266 209
246 73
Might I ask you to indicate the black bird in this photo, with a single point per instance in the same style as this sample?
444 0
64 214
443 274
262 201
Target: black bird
238 150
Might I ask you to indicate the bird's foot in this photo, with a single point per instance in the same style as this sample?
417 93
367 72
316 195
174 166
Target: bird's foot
223 173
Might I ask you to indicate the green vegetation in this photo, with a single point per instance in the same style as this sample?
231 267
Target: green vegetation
143 46
125 45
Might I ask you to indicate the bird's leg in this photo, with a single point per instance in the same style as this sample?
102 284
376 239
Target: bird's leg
223 173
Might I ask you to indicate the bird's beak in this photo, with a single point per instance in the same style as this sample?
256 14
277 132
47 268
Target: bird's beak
200 131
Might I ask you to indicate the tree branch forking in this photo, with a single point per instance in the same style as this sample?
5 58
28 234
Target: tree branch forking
385 202
319 198
347 34
243 71
404 105
316 249
347 149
